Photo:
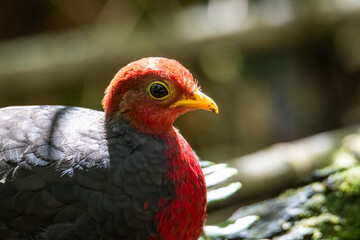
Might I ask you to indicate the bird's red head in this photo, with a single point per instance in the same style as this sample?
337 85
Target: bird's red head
152 92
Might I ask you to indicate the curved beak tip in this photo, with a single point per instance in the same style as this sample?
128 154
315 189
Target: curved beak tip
214 109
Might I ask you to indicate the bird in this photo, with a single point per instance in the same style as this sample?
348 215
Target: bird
123 173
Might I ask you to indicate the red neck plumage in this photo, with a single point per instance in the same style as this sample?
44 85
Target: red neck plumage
183 216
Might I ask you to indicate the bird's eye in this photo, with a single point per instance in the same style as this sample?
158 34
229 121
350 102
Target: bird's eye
158 90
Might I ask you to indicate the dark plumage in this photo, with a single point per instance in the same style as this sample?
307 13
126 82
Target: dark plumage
61 170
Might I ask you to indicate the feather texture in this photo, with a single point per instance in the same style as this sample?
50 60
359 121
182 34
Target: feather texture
65 174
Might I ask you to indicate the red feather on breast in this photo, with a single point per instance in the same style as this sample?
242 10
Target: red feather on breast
187 210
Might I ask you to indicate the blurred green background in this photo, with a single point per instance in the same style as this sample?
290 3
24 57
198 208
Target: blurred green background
279 70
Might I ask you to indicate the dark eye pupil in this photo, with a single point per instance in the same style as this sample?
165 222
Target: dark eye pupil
158 90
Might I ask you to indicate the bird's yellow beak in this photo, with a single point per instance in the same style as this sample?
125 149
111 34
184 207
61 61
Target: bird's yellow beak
197 100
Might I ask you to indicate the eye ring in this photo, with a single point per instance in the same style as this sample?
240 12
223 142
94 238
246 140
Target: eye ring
158 90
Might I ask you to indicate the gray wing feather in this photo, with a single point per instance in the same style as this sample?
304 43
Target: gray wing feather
65 174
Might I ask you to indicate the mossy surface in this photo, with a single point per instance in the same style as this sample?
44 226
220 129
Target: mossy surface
341 205
334 211
327 207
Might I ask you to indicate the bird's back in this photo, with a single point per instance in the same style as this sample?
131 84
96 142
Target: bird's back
65 174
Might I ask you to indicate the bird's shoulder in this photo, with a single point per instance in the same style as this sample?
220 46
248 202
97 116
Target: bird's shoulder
39 136
68 138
